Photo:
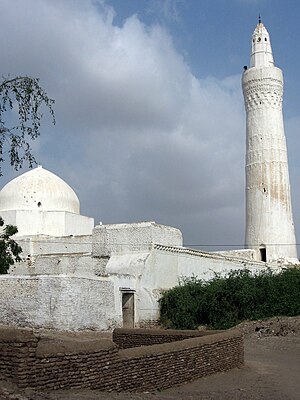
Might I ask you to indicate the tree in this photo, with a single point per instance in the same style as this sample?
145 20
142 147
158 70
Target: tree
21 102
9 249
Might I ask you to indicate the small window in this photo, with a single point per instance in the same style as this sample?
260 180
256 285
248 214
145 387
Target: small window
266 39
259 39
39 204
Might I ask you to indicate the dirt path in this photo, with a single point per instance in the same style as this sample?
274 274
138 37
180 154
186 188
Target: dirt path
271 371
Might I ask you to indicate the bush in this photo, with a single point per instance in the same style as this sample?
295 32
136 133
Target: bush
226 301
9 249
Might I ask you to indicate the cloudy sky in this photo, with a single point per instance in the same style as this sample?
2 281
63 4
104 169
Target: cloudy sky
149 108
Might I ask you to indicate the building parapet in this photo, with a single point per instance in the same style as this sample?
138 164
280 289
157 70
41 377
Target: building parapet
203 254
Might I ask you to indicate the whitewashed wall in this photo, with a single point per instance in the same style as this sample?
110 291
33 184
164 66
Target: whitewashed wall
122 238
58 302
55 223
84 291
40 244
149 273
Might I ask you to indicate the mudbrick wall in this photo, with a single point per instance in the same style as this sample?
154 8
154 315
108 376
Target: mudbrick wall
127 338
52 362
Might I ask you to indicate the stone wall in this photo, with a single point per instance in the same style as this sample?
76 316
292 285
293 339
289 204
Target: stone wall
164 365
52 362
17 346
128 338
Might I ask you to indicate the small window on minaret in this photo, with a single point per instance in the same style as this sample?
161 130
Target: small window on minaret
266 39
259 39
39 204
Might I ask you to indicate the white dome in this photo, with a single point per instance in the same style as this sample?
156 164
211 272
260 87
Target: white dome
39 189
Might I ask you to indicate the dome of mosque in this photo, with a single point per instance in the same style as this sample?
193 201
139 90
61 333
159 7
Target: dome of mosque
39 189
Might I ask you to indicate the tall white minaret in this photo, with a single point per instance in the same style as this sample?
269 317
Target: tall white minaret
269 219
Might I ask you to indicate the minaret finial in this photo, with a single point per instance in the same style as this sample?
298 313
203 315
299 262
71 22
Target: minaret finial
261 52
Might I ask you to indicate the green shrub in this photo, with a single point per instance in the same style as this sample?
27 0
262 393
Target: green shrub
225 301
9 249
180 305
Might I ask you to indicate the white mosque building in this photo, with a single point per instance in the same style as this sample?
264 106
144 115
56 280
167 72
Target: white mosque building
40 203
76 276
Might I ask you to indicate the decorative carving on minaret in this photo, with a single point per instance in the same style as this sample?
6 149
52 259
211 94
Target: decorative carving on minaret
268 92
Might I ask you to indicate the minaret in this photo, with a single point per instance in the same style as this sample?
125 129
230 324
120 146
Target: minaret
269 219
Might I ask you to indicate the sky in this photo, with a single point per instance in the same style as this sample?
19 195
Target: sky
149 106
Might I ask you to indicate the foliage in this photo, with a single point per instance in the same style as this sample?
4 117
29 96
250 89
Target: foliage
9 249
26 97
226 301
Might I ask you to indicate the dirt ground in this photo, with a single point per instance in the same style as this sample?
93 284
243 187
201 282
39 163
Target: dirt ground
271 371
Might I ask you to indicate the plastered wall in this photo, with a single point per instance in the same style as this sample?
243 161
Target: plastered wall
58 302
84 291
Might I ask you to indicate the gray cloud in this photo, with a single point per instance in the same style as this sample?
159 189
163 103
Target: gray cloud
137 135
